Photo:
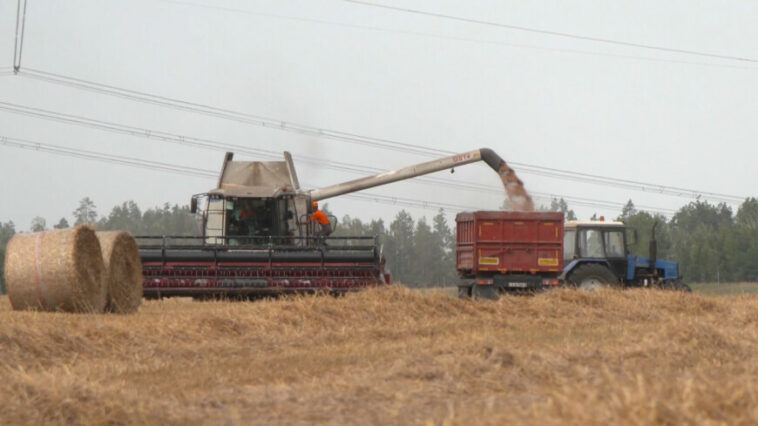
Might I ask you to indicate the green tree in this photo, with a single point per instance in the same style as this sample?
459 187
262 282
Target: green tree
38 224
62 224
427 255
126 216
350 227
747 214
702 241
445 238
170 220
640 225
560 205
628 210
86 213
399 247
7 230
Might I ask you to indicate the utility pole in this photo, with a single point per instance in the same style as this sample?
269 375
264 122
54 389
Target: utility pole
18 45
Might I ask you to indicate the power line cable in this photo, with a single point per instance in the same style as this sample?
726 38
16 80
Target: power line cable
447 37
364 140
223 113
221 146
110 158
552 33
192 171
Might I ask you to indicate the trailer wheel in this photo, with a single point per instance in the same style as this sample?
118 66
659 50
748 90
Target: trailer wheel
464 292
591 276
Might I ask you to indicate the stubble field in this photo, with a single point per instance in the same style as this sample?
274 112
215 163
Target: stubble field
390 356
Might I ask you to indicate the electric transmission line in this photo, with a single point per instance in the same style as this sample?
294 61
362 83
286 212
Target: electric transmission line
373 142
192 171
334 165
240 11
552 33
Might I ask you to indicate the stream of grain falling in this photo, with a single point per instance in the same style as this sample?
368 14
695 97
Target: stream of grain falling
519 198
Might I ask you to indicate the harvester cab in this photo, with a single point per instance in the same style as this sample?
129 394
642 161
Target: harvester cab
596 253
255 202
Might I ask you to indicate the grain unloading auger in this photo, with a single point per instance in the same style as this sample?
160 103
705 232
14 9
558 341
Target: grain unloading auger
258 239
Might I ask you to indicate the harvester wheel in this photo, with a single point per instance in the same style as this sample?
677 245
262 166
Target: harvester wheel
591 276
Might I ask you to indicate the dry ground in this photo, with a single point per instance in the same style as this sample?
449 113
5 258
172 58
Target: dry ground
390 356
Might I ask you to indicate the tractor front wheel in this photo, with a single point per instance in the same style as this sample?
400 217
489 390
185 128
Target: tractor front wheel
591 276
682 287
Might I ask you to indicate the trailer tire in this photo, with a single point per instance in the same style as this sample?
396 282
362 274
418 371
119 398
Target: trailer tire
464 292
591 276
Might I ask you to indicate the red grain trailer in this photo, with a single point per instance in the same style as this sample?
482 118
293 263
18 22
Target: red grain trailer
499 251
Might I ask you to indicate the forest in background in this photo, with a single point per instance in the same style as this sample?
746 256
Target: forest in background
711 242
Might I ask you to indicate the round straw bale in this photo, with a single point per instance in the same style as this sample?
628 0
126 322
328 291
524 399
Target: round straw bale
59 270
123 271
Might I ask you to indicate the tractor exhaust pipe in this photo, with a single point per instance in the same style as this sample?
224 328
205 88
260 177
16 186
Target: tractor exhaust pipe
653 250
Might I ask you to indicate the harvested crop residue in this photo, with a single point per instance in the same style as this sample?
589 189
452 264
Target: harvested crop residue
390 355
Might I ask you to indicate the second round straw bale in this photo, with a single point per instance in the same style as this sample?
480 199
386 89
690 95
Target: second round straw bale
59 270
123 271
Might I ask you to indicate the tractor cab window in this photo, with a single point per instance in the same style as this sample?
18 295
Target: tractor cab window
569 245
590 242
614 244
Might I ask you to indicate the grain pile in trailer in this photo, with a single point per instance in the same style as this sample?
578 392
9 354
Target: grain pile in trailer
123 271
59 270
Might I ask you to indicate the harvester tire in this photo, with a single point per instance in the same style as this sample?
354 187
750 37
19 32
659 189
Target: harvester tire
591 276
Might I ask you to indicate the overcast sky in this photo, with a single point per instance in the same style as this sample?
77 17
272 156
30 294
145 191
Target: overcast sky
624 112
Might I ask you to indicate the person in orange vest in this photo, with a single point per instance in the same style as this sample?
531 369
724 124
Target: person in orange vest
323 221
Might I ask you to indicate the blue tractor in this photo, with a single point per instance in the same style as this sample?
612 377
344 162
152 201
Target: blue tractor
596 254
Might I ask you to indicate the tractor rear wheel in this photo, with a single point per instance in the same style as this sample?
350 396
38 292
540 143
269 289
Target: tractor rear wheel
591 276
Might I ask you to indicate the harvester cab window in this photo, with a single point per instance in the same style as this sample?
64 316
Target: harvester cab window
256 217
569 245
590 243
614 244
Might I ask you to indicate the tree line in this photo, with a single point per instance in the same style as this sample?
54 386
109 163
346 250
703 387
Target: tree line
710 241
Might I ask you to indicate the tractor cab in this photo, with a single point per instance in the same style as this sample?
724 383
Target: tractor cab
596 253
596 240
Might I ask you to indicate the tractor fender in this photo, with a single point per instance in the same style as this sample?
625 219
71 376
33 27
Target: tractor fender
576 262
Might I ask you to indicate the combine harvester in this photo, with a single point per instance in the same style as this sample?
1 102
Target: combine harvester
258 239
499 252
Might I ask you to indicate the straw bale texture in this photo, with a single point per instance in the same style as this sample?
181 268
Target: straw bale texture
59 270
123 271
